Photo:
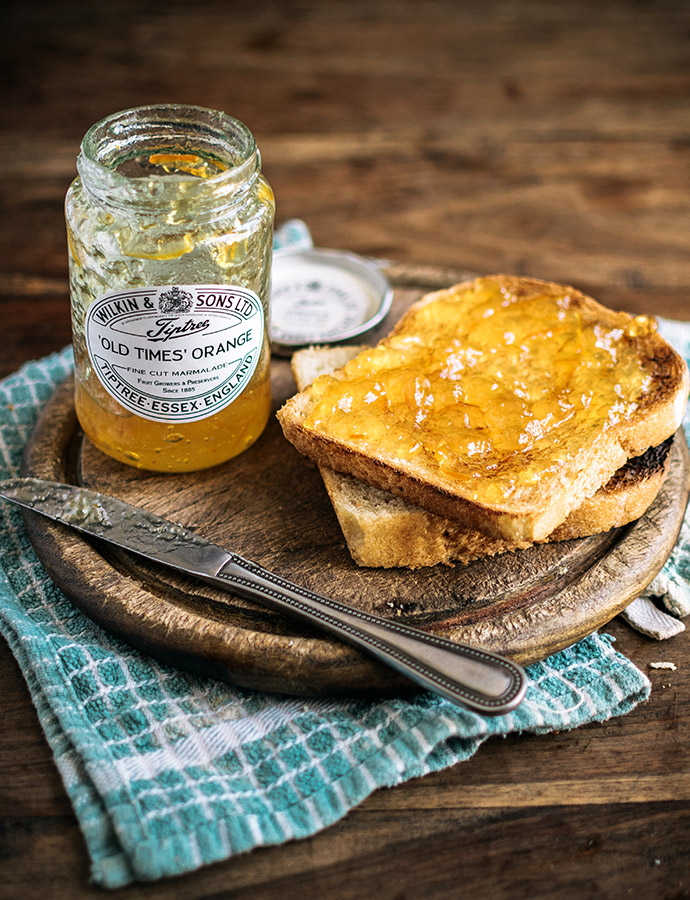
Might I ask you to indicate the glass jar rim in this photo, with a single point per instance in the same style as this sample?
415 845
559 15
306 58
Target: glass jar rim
113 138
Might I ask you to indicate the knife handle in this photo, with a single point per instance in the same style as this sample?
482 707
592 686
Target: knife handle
483 682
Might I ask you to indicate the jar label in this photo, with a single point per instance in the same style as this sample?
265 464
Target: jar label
176 353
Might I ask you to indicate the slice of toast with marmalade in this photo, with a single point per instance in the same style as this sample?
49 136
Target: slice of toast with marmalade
501 404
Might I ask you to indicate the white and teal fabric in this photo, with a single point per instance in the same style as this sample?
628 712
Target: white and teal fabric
168 772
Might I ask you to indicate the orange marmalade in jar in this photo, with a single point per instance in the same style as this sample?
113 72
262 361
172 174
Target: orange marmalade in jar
169 228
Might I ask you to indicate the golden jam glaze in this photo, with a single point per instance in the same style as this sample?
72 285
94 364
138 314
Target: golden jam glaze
482 381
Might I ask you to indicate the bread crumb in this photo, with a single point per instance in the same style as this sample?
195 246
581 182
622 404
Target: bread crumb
663 665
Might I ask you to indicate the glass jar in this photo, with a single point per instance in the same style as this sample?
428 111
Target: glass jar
169 228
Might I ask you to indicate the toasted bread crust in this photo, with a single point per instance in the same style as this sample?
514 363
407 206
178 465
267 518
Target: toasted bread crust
387 535
534 514
624 498
383 531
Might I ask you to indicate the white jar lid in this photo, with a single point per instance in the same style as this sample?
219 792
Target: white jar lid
324 297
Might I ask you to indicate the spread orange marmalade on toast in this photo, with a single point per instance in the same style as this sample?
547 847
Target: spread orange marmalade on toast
485 381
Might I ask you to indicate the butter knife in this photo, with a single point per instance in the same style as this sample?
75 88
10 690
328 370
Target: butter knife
476 679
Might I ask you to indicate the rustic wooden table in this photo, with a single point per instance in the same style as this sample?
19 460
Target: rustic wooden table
537 137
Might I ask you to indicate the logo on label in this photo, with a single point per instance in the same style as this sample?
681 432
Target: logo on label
175 301
175 353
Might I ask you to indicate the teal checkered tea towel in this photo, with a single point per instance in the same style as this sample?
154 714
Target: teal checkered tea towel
168 772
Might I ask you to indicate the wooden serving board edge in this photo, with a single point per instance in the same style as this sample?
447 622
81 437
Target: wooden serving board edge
331 667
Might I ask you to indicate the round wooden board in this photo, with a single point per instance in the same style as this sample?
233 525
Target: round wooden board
270 505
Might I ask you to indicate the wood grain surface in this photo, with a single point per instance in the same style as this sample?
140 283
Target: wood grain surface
541 138
270 506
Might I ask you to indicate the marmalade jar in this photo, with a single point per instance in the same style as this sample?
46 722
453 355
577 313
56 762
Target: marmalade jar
169 227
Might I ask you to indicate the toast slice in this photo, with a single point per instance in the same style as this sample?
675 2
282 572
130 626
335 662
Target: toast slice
544 395
382 530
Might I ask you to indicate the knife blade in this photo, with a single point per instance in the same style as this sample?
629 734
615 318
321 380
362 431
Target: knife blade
479 680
